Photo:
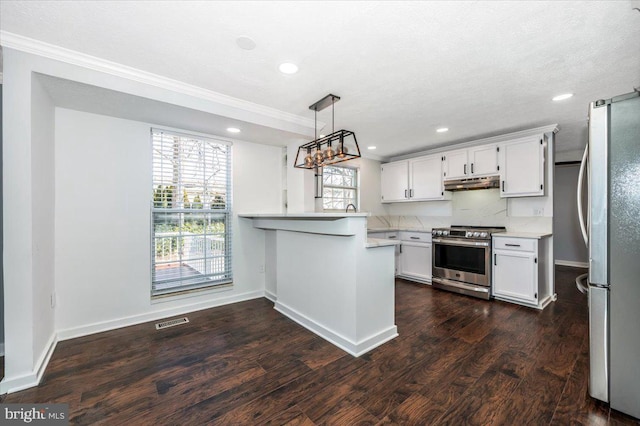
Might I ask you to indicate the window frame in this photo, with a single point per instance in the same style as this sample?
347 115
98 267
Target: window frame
209 215
355 188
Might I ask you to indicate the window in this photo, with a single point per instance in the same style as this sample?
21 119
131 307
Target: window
191 212
340 187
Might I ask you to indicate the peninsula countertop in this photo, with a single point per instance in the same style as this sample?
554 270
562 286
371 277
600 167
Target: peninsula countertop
305 216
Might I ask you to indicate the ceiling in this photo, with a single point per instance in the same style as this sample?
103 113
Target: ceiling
402 69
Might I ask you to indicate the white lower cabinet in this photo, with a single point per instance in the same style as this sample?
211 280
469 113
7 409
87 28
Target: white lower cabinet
515 275
415 261
516 270
413 256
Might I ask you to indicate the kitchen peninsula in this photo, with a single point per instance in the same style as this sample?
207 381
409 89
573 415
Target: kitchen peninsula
328 277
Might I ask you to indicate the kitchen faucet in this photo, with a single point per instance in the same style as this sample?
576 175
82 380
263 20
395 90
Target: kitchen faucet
355 210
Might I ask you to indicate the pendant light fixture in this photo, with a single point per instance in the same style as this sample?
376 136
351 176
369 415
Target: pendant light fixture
331 149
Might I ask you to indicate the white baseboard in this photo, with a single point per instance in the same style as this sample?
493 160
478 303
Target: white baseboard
572 263
15 384
351 347
99 327
271 296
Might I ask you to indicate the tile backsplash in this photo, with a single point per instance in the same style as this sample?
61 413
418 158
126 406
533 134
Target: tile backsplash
479 208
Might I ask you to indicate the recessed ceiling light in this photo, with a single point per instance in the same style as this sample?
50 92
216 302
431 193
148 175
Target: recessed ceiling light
322 136
288 68
233 130
562 97
442 129
245 43
371 147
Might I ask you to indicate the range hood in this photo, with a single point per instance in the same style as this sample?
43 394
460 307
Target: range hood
472 183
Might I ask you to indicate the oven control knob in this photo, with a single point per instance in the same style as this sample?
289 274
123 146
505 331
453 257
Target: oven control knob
468 234
439 232
476 234
445 232
434 232
484 234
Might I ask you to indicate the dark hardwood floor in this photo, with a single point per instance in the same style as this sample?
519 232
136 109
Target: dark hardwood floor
457 361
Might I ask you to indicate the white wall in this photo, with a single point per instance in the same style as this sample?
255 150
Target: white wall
92 294
43 190
300 190
103 237
569 245
369 185
17 220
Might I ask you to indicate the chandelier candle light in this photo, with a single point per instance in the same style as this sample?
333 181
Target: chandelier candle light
331 149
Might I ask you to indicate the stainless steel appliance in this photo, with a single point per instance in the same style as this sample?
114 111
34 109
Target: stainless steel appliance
461 257
612 232
472 183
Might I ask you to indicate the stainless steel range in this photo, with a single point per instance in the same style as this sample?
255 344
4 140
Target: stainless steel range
462 259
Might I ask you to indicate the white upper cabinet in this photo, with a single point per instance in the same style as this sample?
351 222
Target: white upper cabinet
455 164
394 179
483 160
418 179
425 178
477 161
522 167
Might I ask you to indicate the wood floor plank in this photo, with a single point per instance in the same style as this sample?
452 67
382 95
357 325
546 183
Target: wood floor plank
458 360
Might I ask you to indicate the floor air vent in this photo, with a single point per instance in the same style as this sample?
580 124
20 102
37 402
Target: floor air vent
171 323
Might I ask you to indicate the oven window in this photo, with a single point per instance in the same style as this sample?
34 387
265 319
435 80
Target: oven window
458 258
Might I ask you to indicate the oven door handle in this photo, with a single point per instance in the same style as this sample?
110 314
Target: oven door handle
462 243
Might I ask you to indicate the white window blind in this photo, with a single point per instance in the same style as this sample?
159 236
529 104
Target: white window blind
340 187
191 212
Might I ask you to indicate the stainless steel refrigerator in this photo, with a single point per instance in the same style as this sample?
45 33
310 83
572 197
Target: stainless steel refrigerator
611 165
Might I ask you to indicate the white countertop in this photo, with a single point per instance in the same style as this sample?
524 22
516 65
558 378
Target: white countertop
381 242
535 235
309 215
398 229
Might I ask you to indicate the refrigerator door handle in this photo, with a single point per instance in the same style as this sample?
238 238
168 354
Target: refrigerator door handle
581 283
581 176
598 195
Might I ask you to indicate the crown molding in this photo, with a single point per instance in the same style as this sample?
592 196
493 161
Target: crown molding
47 50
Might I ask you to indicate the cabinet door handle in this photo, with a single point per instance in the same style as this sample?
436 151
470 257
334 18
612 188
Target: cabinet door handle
411 193
512 245
502 186
391 237
405 193
400 248
465 169
415 238
471 168
495 260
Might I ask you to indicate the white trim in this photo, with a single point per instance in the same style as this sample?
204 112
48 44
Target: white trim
351 347
271 296
99 327
572 263
47 50
10 385
476 142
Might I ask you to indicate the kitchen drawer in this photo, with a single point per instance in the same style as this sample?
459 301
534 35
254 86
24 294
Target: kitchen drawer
519 244
392 235
418 237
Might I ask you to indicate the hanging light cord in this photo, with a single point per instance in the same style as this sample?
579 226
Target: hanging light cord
333 110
